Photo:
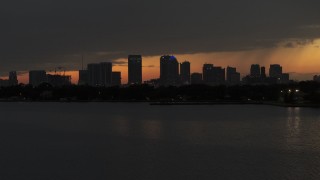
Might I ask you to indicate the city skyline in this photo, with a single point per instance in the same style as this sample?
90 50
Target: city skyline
152 71
43 35
172 72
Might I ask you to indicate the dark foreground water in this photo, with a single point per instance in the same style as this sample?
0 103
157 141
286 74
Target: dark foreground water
102 141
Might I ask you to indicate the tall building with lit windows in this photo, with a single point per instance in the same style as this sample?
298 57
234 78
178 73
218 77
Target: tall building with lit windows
169 70
134 69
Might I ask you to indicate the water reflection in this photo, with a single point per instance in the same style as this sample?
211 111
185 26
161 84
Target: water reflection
152 129
122 126
293 137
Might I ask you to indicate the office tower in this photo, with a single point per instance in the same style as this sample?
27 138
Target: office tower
59 80
36 77
255 71
134 69
105 74
233 77
285 78
93 74
185 72
116 78
13 80
169 70
213 75
219 74
263 72
207 73
83 77
196 78
275 71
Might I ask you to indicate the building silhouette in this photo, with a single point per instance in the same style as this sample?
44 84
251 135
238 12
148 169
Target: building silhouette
105 74
275 71
13 79
233 77
93 74
196 78
57 80
255 71
185 72
36 77
213 75
263 73
83 77
116 78
100 74
134 69
285 78
169 70
207 72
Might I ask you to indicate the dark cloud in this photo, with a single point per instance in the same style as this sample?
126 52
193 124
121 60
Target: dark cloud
296 43
39 34
290 45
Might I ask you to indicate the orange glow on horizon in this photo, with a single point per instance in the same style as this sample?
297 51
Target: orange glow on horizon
303 60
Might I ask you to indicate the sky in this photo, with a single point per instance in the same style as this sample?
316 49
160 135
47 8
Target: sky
45 34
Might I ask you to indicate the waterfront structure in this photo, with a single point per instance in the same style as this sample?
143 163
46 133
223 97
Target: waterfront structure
116 78
134 69
169 70
196 78
36 77
233 77
185 72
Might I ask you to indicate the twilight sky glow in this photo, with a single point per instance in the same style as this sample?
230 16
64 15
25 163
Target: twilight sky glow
44 34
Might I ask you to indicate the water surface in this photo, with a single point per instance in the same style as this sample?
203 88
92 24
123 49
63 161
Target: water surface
98 141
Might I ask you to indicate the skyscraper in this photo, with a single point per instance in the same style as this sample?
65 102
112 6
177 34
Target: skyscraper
105 74
213 75
207 73
93 74
275 71
100 74
116 78
134 69
185 72
13 80
263 73
233 77
83 77
169 70
36 77
255 71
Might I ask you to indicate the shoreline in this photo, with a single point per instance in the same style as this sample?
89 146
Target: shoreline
173 103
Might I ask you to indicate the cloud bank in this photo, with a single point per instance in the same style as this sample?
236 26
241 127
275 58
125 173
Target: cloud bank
43 34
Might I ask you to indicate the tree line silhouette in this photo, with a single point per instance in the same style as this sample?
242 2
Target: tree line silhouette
309 91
